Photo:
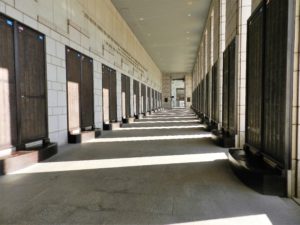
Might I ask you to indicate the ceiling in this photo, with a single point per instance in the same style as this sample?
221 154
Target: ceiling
169 30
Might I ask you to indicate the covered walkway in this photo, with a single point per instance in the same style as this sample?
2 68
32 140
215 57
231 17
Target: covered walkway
163 169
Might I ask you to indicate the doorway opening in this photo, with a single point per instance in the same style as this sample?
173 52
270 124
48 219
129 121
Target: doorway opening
178 93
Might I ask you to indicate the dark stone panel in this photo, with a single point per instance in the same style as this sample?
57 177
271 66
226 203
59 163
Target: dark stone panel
8 124
30 55
275 80
232 89
214 92
254 79
87 93
73 68
225 105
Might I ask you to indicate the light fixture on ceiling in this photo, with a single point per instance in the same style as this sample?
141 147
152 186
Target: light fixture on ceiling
141 19
190 3
148 34
189 14
187 32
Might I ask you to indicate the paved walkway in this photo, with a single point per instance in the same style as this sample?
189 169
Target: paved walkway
164 169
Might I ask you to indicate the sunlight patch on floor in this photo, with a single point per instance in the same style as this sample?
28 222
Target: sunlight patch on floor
161 128
169 117
260 219
168 121
150 138
48 167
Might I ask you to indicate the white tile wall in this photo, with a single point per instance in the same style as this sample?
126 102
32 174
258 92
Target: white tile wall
53 23
231 19
2 7
12 12
244 12
30 22
9 2
211 50
222 29
29 7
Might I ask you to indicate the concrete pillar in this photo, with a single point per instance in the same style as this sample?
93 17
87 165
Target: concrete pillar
131 98
188 90
295 172
237 14
119 97
166 91
222 21
57 92
297 95
148 96
140 97
147 102
98 94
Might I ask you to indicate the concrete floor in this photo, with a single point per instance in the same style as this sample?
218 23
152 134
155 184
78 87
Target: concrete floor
118 179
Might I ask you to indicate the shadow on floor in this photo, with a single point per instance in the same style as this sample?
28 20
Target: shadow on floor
192 184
